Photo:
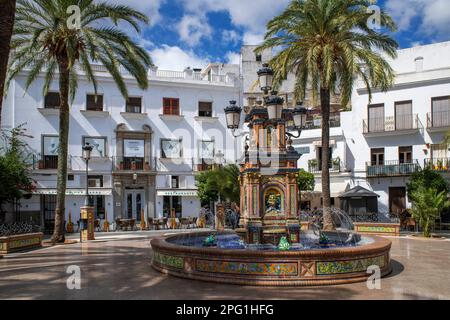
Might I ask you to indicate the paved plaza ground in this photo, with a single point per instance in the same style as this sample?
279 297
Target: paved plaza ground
117 266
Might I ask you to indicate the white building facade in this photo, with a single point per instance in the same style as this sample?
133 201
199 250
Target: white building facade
147 150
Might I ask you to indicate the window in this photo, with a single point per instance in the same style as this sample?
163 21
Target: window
207 150
439 151
377 156
134 105
94 102
171 106
175 182
170 149
403 115
134 154
440 111
319 158
98 146
52 100
205 109
258 58
48 208
405 154
172 203
376 118
95 181
50 146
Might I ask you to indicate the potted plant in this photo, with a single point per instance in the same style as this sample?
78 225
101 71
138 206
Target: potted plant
336 163
312 164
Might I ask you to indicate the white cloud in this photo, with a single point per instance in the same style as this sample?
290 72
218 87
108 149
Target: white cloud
433 15
174 58
230 36
232 57
193 28
252 15
251 38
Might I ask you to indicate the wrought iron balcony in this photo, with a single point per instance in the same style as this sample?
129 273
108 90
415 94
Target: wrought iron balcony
39 162
438 164
131 164
391 168
315 166
438 121
401 124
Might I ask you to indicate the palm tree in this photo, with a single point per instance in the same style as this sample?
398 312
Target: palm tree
428 203
46 38
7 10
327 44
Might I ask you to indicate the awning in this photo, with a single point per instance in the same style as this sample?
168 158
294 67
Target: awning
177 193
359 192
77 192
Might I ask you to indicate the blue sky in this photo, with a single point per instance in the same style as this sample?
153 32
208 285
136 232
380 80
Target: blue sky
194 32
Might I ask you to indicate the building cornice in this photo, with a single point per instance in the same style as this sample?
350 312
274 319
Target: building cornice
411 80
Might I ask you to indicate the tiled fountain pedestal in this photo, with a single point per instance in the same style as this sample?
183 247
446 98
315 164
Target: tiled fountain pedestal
271 268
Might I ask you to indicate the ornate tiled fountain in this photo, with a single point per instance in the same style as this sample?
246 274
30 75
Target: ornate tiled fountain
270 248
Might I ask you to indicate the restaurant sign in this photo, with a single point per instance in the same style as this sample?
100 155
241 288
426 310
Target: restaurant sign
177 193
76 192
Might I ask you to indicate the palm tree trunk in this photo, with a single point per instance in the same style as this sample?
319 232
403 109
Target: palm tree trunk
325 107
58 235
7 12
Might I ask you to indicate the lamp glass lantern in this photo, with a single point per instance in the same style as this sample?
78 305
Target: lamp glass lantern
274 105
87 149
299 116
233 115
265 76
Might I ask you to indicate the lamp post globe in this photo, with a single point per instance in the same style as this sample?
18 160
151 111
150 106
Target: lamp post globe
87 149
274 105
233 115
265 76
299 115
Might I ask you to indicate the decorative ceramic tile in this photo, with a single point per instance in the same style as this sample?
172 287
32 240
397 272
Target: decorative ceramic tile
24 243
348 266
175 262
378 229
249 268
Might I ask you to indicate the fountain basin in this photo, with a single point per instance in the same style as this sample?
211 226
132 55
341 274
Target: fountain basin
311 267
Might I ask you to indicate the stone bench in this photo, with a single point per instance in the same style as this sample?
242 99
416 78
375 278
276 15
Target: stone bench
20 242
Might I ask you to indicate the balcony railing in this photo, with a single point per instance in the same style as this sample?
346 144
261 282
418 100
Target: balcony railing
392 168
131 164
438 164
439 119
316 123
392 124
39 162
315 166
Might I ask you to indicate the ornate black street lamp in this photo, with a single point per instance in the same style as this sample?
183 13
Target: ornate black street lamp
87 149
299 115
274 105
265 76
233 116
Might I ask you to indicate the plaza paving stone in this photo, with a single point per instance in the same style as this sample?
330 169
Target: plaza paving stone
117 266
